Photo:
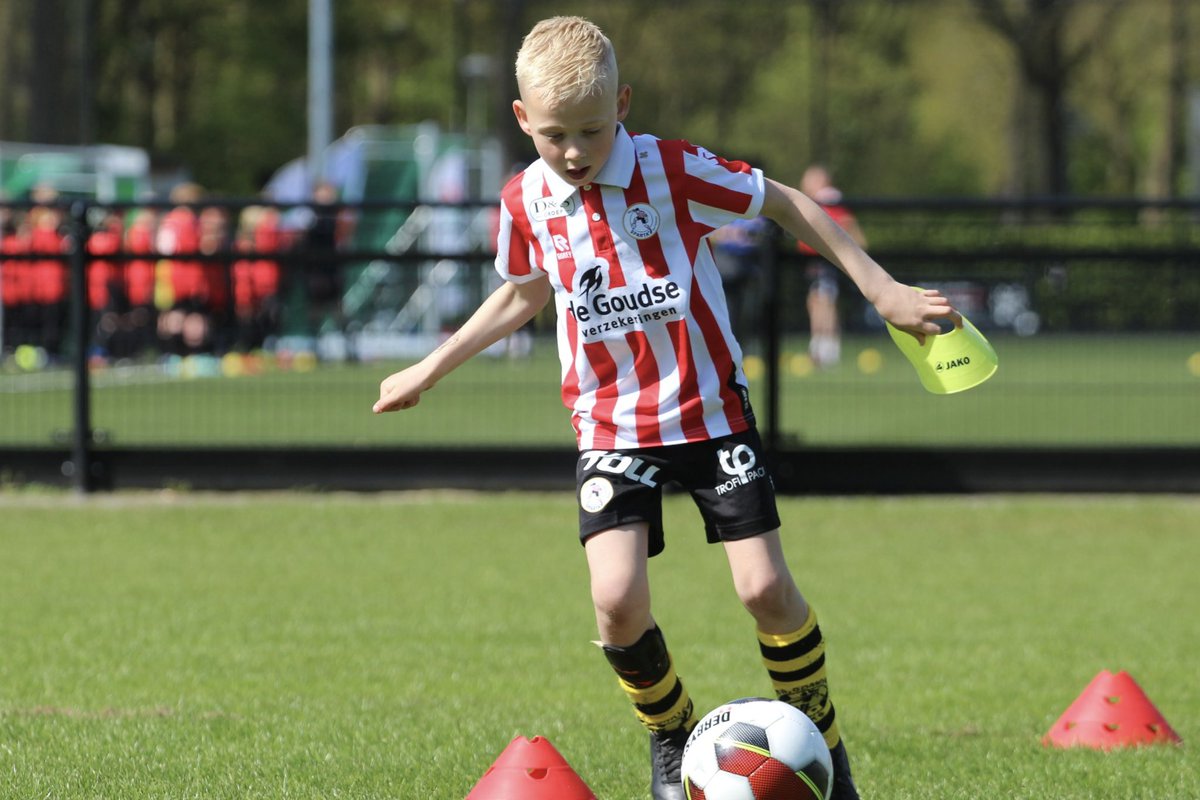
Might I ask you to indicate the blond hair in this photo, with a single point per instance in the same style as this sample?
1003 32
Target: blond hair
564 59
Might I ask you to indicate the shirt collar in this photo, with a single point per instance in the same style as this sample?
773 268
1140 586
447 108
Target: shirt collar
617 171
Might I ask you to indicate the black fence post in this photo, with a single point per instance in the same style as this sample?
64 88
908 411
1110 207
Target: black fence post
79 468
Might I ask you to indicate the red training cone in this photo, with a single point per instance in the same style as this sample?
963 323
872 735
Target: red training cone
530 769
1112 711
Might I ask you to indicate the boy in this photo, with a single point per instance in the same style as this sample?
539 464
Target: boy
614 227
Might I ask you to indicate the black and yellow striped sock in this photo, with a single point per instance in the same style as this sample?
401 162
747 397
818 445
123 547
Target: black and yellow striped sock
648 677
796 664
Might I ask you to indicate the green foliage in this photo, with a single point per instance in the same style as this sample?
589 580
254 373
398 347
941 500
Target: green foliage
307 646
216 88
913 98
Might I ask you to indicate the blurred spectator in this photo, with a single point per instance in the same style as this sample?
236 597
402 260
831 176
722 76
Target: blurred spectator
216 239
737 250
51 283
104 284
825 342
141 317
16 281
184 328
256 281
105 287
320 238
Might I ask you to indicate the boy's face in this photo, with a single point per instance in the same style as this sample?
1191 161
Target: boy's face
574 138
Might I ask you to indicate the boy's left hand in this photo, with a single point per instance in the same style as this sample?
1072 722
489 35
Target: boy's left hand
402 390
915 311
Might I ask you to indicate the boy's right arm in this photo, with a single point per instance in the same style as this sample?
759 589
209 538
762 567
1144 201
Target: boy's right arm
914 312
505 310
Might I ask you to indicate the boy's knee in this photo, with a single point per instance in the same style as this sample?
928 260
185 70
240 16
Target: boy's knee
769 595
616 604
622 611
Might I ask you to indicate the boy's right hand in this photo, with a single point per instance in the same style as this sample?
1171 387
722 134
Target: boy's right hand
401 390
915 312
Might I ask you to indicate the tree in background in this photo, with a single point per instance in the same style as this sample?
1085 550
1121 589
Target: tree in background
915 98
1050 44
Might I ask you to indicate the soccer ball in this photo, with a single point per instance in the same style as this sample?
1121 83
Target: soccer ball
756 749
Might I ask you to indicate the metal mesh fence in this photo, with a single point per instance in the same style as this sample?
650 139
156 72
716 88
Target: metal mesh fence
252 332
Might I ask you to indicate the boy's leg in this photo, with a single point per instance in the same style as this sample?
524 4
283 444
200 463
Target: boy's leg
790 641
620 584
637 652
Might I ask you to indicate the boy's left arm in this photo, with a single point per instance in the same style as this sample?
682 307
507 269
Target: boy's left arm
802 217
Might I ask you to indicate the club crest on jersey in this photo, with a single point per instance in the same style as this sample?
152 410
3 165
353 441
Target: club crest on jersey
544 208
641 220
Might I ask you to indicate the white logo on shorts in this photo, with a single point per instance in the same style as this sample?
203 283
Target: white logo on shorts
595 494
634 469
739 463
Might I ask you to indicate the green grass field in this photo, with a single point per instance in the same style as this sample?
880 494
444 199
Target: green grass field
329 646
1050 390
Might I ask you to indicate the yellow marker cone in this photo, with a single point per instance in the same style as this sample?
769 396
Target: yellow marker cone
949 362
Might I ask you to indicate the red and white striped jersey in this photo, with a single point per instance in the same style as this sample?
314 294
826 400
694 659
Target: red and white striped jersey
648 357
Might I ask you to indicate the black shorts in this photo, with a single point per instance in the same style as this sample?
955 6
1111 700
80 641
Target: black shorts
727 478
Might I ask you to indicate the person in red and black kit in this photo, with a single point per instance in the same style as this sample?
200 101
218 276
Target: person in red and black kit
142 315
185 328
50 276
105 287
256 281
216 239
16 281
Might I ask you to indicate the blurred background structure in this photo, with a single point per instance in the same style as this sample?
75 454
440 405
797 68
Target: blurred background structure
225 221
